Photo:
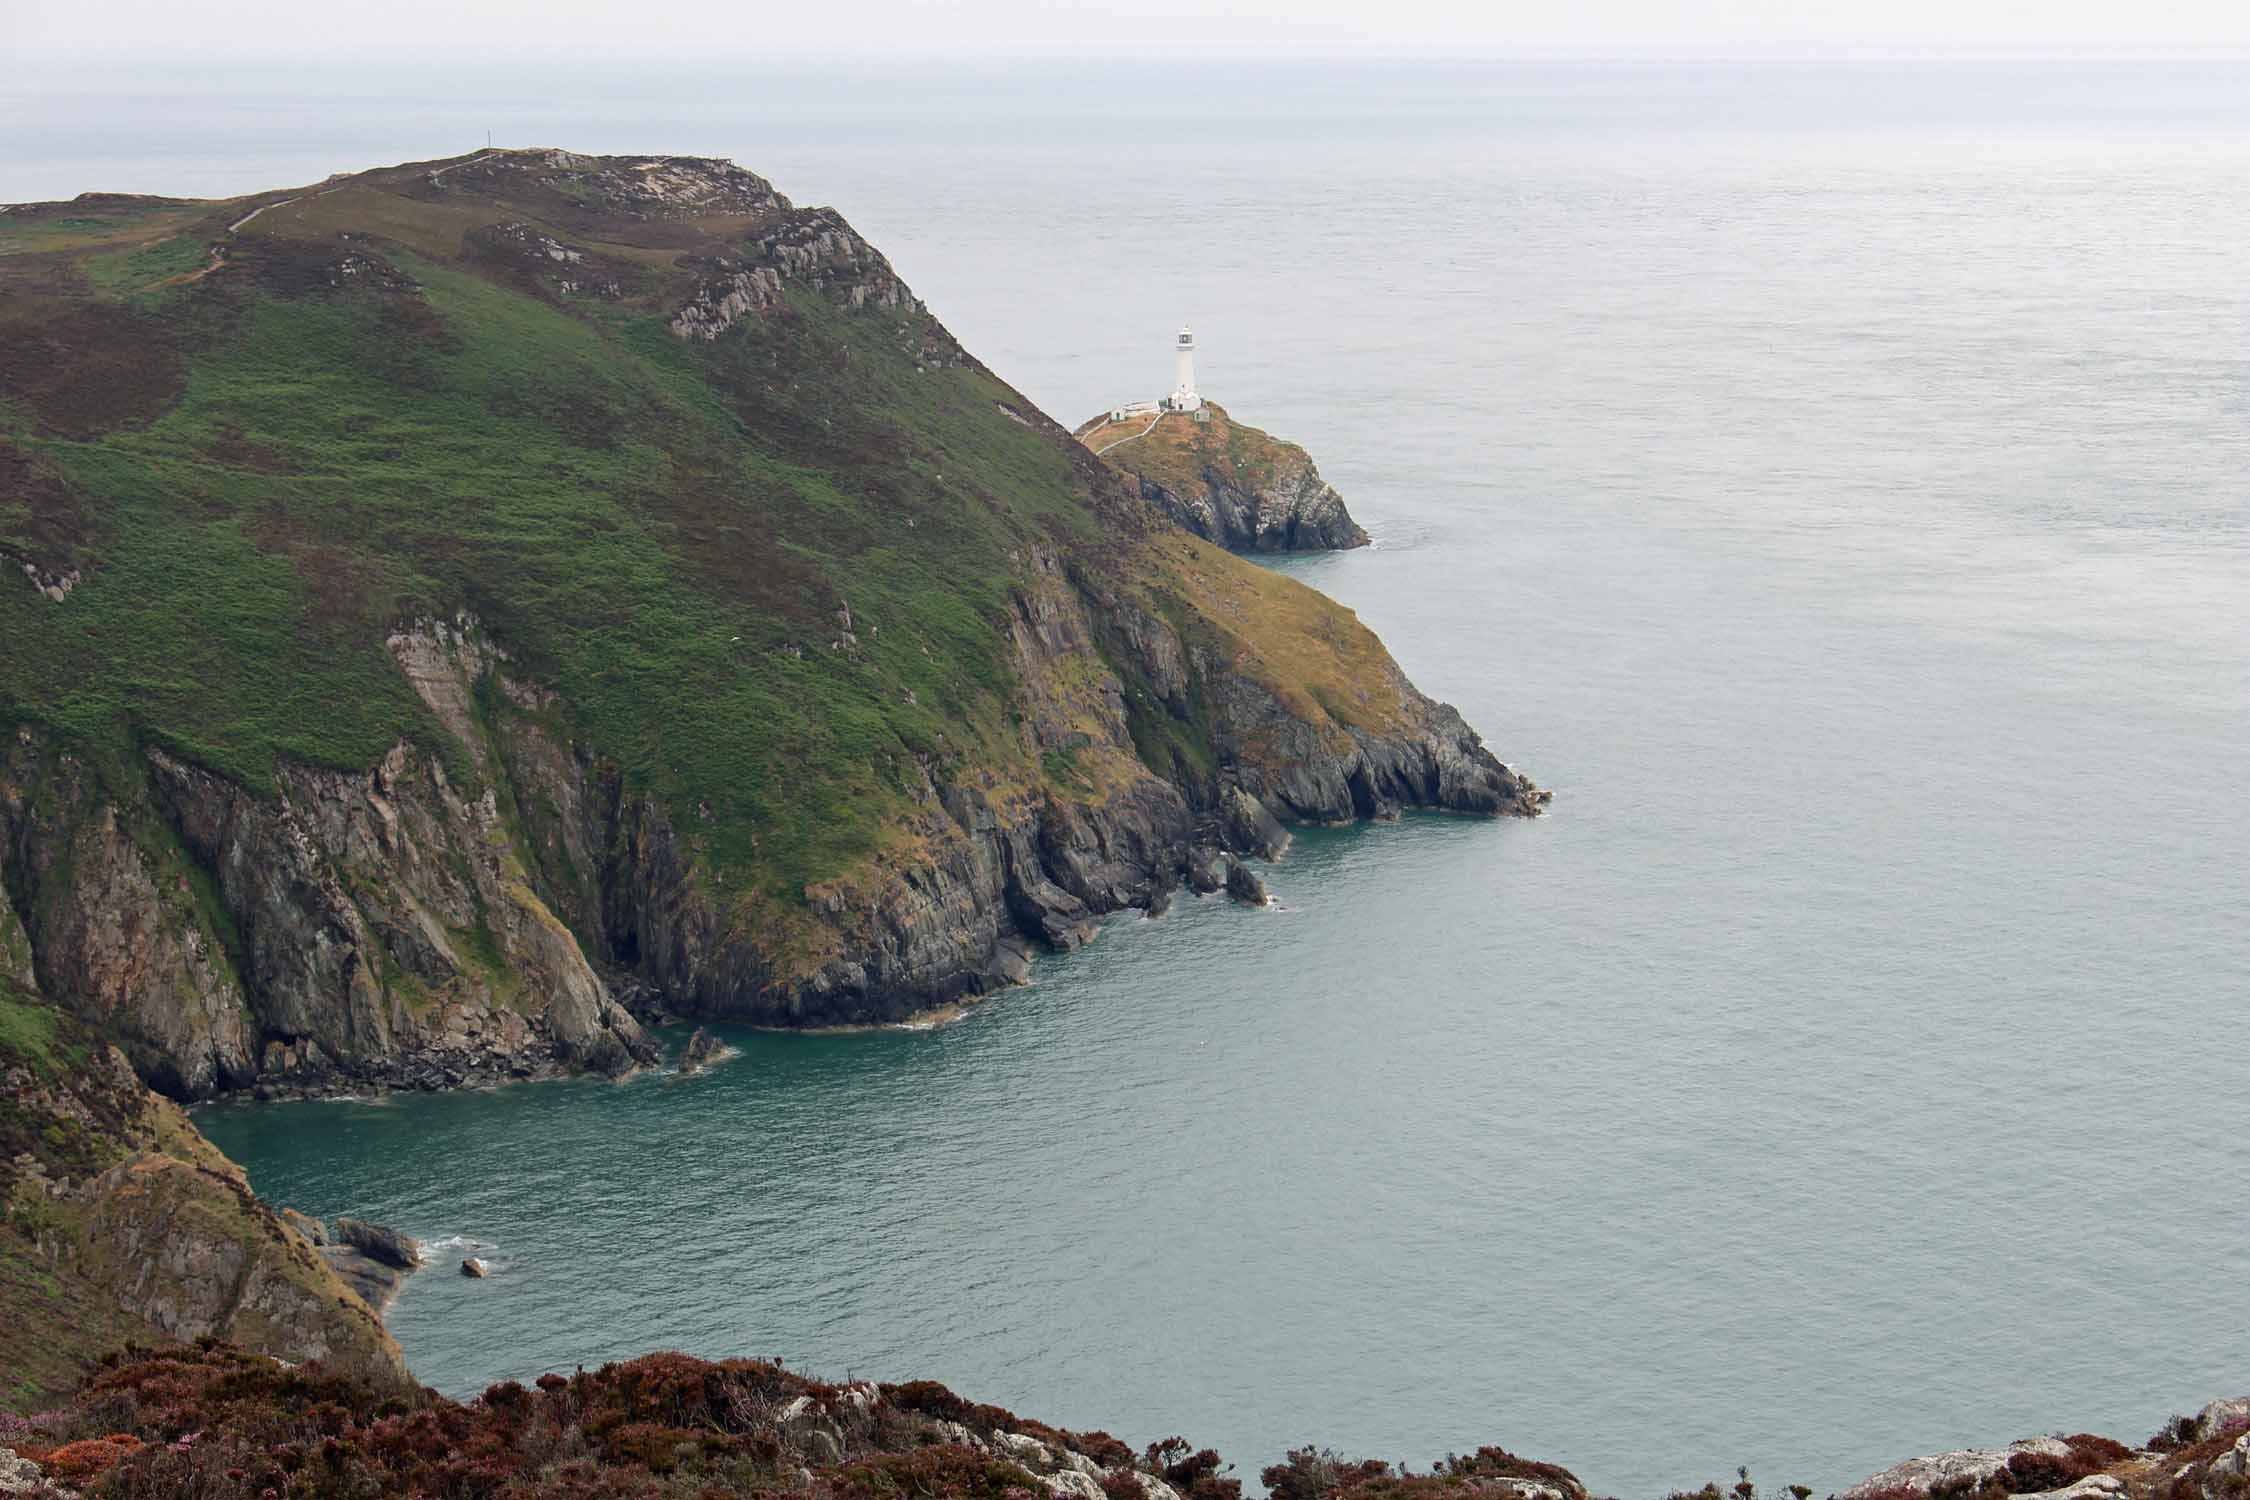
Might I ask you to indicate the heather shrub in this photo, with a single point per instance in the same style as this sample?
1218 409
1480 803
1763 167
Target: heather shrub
956 1472
1310 1473
80 1462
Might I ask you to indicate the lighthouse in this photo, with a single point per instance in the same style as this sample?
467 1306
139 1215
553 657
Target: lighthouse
1183 397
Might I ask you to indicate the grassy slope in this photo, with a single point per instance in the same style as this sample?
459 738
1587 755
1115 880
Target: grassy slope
261 476
1179 450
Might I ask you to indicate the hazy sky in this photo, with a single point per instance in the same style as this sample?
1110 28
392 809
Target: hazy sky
217 29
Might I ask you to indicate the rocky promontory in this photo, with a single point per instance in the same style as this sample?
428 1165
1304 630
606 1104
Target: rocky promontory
1228 483
725 644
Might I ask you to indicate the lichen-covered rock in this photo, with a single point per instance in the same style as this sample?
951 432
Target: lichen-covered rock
2232 1412
18 1476
1963 1468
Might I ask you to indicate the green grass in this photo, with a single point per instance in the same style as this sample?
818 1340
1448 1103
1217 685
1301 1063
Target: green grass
138 271
658 530
27 1029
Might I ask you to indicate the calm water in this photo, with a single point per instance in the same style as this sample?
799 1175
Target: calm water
1831 481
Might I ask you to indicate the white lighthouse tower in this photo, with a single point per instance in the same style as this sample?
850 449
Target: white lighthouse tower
1183 397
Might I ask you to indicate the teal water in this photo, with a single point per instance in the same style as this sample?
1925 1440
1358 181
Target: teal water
1834 485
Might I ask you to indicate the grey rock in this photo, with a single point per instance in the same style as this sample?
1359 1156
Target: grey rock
1250 828
702 1050
1244 885
380 1243
1160 900
1024 1449
1206 871
475 1268
2228 1473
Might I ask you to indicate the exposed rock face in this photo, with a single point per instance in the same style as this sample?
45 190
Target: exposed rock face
814 248
993 866
1234 485
369 928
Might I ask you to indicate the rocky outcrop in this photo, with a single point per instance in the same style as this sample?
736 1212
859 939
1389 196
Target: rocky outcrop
813 248
1962 1469
702 1050
2229 1415
131 1226
381 1243
1244 489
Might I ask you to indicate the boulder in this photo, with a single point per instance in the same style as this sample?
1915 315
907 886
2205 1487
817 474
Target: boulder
475 1268
380 1243
1244 885
1206 870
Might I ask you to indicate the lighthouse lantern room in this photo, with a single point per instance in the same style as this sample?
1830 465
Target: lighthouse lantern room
1183 397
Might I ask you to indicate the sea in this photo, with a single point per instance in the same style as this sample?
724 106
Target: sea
1832 478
